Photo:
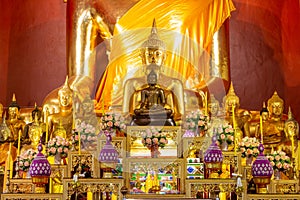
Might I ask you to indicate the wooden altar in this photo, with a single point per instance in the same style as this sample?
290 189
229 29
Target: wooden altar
180 176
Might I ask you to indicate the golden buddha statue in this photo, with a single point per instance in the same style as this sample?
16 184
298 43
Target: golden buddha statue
35 133
87 112
36 115
215 117
231 102
14 122
153 53
65 115
273 128
59 131
5 139
289 141
153 109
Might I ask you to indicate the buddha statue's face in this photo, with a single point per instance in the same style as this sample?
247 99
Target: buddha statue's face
276 108
229 103
152 79
13 112
291 129
213 108
154 56
65 99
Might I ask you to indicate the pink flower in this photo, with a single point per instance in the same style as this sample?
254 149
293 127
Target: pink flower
155 140
277 157
110 124
59 150
222 136
26 163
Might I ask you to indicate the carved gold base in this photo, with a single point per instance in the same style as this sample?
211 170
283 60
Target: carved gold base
261 184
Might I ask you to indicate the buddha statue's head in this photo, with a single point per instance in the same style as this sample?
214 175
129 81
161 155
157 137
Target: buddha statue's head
291 126
275 106
213 106
36 111
153 50
13 108
230 100
152 78
65 95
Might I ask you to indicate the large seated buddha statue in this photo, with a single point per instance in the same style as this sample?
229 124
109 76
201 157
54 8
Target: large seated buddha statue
65 114
153 109
169 93
273 128
233 111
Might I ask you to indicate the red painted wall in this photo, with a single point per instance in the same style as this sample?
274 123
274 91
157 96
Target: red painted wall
34 57
264 49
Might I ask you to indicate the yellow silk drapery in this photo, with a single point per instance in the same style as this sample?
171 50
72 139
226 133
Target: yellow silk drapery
187 28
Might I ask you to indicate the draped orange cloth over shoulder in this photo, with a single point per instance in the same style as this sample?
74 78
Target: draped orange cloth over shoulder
187 28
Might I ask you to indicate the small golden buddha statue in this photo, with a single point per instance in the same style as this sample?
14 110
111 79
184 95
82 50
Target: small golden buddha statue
291 130
5 139
153 104
231 102
273 130
14 122
87 112
36 115
65 115
59 131
5 133
153 53
35 133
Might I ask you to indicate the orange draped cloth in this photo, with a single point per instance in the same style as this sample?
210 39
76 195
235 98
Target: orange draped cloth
187 28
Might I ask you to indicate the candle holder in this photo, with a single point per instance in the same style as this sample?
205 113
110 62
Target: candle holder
7 184
18 168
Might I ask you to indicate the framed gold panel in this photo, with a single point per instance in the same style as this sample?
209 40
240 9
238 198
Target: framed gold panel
87 159
135 148
164 167
96 186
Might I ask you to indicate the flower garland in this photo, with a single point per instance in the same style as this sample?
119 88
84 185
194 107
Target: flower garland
225 133
249 147
196 120
26 158
87 133
58 145
112 121
152 136
279 160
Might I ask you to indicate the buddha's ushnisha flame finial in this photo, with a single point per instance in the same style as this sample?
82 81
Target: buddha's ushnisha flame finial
14 97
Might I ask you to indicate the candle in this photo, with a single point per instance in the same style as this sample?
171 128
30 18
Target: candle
89 195
261 130
10 161
293 147
206 104
234 128
19 142
47 125
79 143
